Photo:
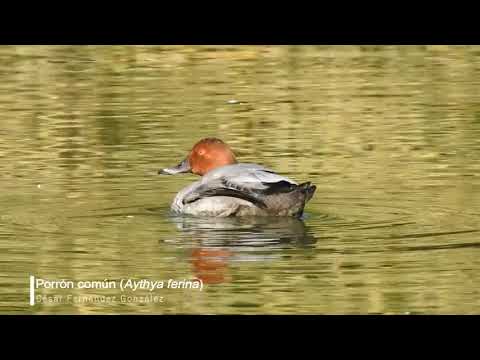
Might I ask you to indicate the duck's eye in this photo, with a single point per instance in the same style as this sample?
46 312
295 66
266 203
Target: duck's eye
201 152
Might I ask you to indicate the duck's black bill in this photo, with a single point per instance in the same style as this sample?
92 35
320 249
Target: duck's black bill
183 167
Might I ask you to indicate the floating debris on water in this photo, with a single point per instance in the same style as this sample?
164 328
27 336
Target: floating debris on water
233 101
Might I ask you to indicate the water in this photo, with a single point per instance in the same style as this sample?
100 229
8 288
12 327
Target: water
390 136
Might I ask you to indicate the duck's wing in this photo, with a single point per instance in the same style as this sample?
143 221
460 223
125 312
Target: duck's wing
204 192
249 182
257 179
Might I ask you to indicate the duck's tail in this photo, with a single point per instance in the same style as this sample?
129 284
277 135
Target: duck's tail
308 189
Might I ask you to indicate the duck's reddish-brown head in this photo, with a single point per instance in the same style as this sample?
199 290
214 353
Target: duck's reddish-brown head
206 155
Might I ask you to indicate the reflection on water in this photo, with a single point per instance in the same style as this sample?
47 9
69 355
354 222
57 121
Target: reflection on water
220 241
390 135
245 231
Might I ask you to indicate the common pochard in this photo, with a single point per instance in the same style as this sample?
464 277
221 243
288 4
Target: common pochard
229 188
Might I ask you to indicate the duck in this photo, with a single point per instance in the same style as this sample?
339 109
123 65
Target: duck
229 188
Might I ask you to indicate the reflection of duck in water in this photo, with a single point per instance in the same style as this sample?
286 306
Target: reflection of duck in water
228 188
225 240
245 231
211 265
